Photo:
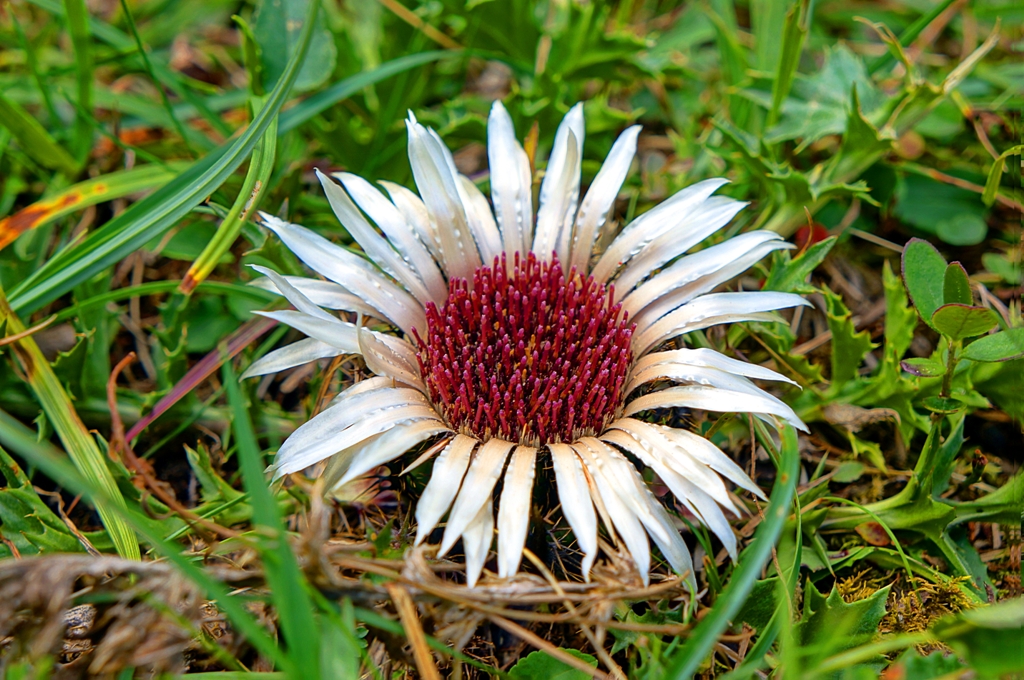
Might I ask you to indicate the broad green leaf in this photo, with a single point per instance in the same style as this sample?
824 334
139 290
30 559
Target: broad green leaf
789 275
821 103
277 29
540 665
900 322
942 405
955 285
963 321
832 625
923 367
25 520
924 270
965 229
988 637
1002 346
848 345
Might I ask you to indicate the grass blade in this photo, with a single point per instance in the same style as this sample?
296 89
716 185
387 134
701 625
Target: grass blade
687 660
78 26
21 440
35 141
161 210
253 188
82 195
284 577
77 440
793 35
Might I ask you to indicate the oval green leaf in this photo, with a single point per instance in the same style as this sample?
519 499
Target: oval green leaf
965 229
957 321
923 368
955 285
997 347
942 404
924 271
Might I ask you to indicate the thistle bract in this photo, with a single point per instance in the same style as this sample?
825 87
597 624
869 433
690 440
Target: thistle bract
517 333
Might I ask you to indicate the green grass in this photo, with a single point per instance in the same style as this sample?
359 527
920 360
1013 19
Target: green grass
131 147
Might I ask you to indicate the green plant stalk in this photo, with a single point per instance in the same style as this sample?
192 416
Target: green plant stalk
253 187
78 26
79 444
909 35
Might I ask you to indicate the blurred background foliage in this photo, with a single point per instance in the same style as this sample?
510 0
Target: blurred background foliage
137 137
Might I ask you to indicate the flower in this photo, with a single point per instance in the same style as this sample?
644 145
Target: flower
521 337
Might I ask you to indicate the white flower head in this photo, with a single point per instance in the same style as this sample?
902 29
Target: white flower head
514 339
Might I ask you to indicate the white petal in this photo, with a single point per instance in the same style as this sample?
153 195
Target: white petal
514 509
340 334
626 524
391 357
637 234
707 453
713 399
295 354
481 221
560 190
374 245
633 491
416 216
699 273
706 357
711 216
476 490
292 294
445 479
511 186
439 189
577 506
476 540
390 300
697 375
709 310
325 294
691 494
328 432
391 445
401 235
599 201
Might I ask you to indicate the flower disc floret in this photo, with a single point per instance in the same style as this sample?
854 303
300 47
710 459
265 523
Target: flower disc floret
526 353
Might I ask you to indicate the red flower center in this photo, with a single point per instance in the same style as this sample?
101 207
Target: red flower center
526 354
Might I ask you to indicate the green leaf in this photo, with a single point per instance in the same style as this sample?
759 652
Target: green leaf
28 523
835 625
942 405
822 102
1002 346
955 285
923 368
538 665
989 638
35 141
848 345
156 213
276 27
790 275
958 321
965 229
285 578
900 322
924 270
685 662
794 33
912 666
995 175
